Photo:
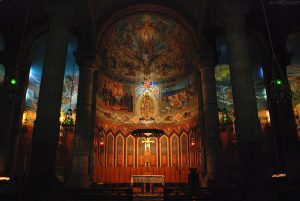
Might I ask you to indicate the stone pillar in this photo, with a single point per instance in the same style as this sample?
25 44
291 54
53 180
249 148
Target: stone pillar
80 176
254 181
8 99
215 170
283 119
42 180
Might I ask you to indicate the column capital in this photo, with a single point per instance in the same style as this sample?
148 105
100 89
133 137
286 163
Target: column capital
202 61
60 12
86 61
234 11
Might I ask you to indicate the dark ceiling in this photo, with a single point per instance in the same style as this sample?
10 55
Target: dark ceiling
90 14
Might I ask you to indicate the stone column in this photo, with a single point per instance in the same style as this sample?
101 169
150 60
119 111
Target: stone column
80 176
254 181
215 170
42 178
8 98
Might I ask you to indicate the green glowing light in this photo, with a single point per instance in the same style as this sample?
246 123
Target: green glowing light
69 121
13 81
278 81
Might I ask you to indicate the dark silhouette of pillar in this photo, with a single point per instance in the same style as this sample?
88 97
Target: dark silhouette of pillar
255 184
213 151
80 176
8 99
42 183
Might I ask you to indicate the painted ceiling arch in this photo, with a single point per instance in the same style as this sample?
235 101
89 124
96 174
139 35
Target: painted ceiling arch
147 43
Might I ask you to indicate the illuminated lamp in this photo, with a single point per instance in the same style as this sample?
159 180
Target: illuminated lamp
225 119
279 85
279 175
68 122
101 141
4 179
193 139
13 81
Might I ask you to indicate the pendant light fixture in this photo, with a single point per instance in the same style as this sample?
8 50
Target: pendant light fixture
279 86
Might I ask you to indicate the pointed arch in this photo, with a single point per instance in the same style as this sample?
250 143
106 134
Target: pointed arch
140 152
119 150
174 150
184 149
192 150
154 153
110 150
130 151
164 153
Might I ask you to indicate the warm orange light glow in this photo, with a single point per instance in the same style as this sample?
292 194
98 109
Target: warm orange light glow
280 175
193 143
4 178
101 143
24 118
268 116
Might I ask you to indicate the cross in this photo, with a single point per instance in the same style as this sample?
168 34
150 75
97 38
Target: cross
147 141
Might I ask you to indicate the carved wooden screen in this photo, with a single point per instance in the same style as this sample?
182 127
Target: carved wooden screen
192 151
110 150
174 150
164 151
120 150
184 149
140 152
130 151
153 153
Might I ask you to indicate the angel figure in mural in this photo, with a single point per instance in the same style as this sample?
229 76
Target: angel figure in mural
147 107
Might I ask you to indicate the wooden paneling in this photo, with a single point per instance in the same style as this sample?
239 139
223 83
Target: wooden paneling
123 174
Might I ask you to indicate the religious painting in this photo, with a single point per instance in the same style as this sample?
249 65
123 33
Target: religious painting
184 149
164 152
119 150
147 42
110 150
293 72
71 77
179 95
116 96
130 151
174 150
147 107
224 88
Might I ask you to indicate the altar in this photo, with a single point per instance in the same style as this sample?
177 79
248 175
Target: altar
147 182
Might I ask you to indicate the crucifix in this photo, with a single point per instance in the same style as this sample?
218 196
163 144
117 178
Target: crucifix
147 153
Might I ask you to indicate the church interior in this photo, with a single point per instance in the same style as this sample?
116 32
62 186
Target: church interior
150 100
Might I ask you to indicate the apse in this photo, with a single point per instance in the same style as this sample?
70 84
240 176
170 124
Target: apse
148 83
148 74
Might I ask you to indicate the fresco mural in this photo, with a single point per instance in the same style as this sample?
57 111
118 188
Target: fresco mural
70 87
178 96
293 72
147 42
116 96
224 89
163 102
